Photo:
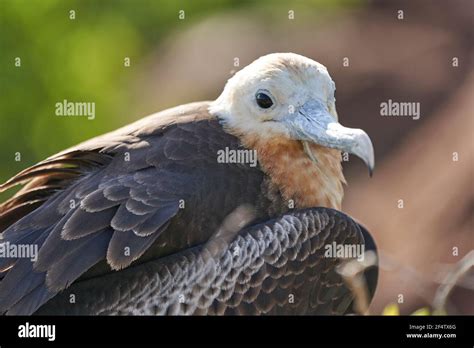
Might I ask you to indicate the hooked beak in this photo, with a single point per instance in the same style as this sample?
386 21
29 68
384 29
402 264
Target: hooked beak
312 122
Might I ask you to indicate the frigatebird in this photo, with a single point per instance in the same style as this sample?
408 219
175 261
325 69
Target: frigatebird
149 219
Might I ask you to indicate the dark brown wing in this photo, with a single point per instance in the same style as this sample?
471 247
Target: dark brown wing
119 195
277 267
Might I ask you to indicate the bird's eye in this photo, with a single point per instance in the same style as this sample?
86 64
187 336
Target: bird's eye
263 100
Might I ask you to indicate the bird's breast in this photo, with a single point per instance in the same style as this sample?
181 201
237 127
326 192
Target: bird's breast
299 179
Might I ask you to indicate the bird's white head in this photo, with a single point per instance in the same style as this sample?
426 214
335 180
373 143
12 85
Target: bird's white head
289 95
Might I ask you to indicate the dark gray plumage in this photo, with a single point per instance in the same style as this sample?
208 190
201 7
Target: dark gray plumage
277 267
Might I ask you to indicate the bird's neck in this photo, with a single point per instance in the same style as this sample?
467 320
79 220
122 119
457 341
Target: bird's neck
298 178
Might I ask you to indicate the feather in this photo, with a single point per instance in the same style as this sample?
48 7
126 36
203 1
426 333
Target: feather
82 223
76 262
96 201
126 247
17 211
125 220
20 279
157 220
116 192
63 172
29 304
